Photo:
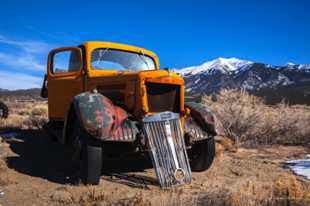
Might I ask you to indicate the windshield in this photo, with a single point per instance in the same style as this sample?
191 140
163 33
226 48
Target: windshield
109 59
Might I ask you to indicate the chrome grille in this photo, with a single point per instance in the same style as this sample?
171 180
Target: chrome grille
167 149
127 132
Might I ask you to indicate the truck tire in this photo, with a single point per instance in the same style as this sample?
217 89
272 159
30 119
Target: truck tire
91 161
4 111
202 154
86 154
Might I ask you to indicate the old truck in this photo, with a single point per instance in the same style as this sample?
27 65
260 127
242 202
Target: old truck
109 98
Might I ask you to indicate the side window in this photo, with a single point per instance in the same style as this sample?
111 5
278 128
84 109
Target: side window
66 61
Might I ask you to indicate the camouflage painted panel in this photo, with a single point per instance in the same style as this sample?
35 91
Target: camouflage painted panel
194 130
100 117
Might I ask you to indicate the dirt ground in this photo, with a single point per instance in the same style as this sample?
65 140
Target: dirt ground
38 174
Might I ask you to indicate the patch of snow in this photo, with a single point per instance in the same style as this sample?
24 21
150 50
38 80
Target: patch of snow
223 65
281 80
290 64
259 78
197 80
285 80
300 167
247 86
304 67
270 66
188 89
298 67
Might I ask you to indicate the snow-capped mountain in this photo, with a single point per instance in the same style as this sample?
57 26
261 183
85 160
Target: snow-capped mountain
300 67
220 73
221 65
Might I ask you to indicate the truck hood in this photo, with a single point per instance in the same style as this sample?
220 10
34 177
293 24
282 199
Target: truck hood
156 76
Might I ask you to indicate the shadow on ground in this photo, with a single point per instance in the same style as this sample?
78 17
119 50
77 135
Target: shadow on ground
38 155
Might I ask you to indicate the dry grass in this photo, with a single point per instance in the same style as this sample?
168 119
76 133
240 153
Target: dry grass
3 166
245 118
248 121
249 177
91 195
246 177
286 190
3 173
25 115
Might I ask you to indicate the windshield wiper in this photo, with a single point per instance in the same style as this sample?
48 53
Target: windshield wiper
143 59
101 54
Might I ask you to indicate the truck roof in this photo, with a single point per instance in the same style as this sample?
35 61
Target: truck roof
113 45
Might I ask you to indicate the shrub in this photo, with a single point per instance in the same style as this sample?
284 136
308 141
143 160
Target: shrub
38 116
25 115
39 110
248 121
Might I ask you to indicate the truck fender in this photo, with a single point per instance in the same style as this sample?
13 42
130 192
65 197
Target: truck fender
205 119
101 118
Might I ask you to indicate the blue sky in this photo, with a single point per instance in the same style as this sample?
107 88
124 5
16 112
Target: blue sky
182 33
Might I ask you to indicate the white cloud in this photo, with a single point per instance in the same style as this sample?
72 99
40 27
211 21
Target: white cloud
25 62
14 81
28 46
22 55
27 54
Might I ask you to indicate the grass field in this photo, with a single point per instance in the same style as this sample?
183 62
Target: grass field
249 168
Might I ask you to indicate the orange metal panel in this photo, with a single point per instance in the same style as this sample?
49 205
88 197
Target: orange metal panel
62 87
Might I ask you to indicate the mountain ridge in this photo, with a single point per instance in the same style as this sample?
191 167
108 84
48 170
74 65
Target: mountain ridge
236 64
232 73
290 81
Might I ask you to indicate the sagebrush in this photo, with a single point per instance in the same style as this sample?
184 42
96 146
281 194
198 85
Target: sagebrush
249 121
25 115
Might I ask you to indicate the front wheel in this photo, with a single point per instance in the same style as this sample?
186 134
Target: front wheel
91 161
85 154
202 154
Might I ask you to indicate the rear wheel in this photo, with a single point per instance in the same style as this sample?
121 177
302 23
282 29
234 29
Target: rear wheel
202 154
4 111
85 154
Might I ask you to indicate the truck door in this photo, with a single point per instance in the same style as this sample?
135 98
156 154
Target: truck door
64 81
